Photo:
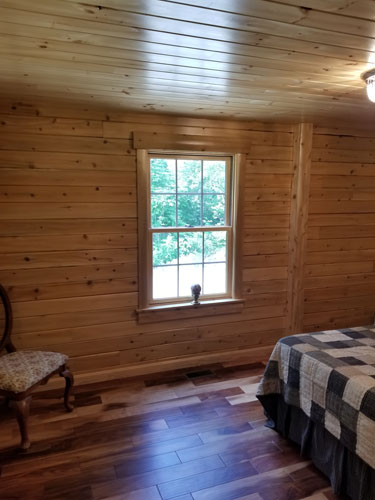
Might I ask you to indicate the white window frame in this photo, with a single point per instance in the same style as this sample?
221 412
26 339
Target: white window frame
145 231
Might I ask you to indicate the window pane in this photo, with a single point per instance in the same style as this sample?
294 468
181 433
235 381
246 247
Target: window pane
215 277
190 248
215 246
189 275
213 210
214 176
189 176
163 175
163 210
164 282
189 210
164 248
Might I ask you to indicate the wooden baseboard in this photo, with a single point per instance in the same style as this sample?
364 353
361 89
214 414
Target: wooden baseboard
243 356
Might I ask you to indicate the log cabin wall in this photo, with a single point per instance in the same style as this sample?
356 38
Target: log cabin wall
68 238
339 271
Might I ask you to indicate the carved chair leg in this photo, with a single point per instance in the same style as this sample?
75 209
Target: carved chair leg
69 381
22 408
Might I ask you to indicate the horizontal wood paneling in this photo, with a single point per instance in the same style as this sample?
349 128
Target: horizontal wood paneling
75 194
23 293
271 150
39 260
22 244
340 262
68 235
66 210
65 161
68 274
52 177
67 227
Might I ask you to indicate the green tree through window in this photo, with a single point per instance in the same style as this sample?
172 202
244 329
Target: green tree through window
188 193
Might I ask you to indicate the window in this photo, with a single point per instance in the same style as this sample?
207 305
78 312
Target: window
188 230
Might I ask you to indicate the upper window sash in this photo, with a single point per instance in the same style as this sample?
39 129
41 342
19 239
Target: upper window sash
201 193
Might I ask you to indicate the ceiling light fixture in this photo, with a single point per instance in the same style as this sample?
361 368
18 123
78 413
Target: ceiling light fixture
369 78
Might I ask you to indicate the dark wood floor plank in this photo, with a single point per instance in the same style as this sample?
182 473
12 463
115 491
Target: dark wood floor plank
175 473
274 481
27 484
252 409
177 444
183 497
274 460
182 420
247 451
201 427
308 480
170 436
228 443
196 408
139 455
151 493
205 480
221 393
134 466
228 430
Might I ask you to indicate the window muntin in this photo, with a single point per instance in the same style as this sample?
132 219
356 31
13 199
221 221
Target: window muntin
189 226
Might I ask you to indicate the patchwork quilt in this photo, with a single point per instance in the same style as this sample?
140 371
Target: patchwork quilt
329 375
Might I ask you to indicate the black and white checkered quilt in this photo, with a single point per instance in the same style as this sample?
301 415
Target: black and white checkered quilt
331 376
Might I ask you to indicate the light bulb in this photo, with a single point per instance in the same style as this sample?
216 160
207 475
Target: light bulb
370 81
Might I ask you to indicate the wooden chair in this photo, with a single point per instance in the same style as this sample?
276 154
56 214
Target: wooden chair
22 371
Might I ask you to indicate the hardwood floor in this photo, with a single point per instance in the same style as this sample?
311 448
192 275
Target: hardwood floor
175 436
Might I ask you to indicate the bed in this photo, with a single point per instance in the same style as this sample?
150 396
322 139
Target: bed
318 390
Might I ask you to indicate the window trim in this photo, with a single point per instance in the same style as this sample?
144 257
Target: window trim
145 252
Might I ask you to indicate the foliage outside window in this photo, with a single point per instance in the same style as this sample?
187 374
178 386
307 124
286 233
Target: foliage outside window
189 226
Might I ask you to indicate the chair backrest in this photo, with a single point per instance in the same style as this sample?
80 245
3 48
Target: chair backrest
6 321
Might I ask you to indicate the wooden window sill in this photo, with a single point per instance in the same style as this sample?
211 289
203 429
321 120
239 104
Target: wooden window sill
187 310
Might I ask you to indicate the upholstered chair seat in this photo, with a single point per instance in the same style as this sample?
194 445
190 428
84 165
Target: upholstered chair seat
21 372
22 369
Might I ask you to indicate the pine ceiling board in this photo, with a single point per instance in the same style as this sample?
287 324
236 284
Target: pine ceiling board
262 59
192 67
290 101
354 8
72 107
172 103
247 95
117 47
193 101
284 10
232 13
34 69
113 109
256 101
96 33
226 12
199 24
287 74
239 15
116 105
178 57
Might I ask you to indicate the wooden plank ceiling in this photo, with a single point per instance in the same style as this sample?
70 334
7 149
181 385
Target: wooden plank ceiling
288 60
